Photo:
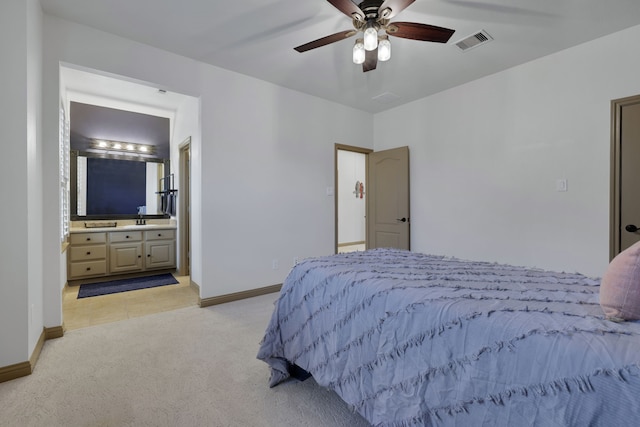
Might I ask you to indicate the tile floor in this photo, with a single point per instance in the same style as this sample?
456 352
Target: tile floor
80 313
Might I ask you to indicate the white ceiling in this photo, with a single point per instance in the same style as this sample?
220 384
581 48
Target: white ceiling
257 37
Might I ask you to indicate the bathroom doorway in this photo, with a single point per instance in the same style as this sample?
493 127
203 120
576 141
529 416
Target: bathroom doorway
96 88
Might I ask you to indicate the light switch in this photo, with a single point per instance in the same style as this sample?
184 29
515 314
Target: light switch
561 184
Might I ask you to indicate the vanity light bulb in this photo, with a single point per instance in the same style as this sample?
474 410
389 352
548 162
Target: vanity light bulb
130 147
102 144
117 146
143 149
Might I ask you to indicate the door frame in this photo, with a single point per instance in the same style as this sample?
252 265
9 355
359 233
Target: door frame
353 149
184 203
617 106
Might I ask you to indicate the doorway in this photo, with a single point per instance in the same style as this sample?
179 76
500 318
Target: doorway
373 185
625 174
351 184
185 208
95 88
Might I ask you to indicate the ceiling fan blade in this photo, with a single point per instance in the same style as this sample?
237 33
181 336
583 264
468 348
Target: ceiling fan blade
395 7
325 40
370 60
348 8
423 32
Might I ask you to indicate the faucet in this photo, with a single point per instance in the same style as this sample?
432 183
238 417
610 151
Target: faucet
140 220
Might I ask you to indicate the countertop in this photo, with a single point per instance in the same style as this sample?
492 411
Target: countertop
131 227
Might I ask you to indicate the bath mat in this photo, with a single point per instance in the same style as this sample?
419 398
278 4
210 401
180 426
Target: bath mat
124 285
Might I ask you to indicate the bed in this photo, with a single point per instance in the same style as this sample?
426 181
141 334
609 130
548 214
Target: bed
412 339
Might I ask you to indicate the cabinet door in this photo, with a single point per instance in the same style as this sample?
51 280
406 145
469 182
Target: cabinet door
125 258
160 254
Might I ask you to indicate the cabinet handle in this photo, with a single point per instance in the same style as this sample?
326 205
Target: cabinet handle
88 239
148 255
139 256
88 252
126 237
88 268
159 234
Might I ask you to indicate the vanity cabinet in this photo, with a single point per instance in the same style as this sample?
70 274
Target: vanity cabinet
87 255
125 252
160 249
104 253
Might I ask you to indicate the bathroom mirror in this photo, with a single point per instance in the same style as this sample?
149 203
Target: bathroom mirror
115 187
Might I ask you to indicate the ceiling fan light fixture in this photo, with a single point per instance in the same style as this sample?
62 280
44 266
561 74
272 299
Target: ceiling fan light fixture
358 52
370 37
384 49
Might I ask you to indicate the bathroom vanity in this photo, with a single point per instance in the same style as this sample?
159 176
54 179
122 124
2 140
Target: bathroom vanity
106 251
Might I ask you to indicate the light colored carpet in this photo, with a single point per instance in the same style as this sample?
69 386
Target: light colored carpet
189 367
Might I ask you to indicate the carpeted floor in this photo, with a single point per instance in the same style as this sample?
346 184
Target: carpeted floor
189 367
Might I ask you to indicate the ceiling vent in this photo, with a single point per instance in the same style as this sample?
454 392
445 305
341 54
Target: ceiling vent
474 40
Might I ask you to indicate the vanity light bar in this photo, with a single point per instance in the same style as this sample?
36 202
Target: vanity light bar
127 147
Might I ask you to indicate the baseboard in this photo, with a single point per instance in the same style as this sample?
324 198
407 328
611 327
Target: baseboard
194 286
359 242
22 369
206 302
53 332
36 351
11 372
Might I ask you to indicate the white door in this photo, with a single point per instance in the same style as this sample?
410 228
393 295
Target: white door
388 224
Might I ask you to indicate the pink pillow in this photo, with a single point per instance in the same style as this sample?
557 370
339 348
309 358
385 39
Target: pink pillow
620 286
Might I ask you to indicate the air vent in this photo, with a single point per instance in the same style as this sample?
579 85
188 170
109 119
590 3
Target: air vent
474 40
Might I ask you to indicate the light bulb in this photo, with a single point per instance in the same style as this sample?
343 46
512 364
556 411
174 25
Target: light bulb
384 49
358 52
370 38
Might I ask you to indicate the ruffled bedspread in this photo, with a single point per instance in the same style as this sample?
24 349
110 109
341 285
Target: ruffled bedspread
411 339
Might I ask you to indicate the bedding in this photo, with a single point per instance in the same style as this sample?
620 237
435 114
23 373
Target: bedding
620 286
412 339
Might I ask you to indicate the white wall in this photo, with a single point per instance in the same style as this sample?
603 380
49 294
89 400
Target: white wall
187 125
35 208
260 169
20 225
13 122
351 208
485 157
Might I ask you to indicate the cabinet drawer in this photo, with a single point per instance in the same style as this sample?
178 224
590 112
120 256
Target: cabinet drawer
87 238
125 236
88 268
160 234
87 252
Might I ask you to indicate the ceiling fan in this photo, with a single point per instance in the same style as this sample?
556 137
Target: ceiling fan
371 16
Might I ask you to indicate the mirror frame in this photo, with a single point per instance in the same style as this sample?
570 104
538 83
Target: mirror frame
73 196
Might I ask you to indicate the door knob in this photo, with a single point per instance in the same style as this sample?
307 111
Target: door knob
401 219
631 228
